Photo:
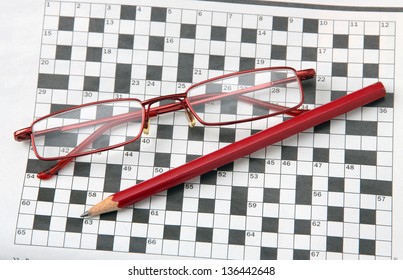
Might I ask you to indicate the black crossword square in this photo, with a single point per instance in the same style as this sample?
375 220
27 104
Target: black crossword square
218 33
302 227
322 128
141 216
336 184
339 69
162 160
74 225
310 25
53 81
206 205
165 131
94 54
268 253
309 54
125 41
113 175
128 12
227 135
172 232
340 41
371 42
156 43
78 197
59 107
249 80
257 165
334 244
239 196
110 216
175 197
370 70
204 234
361 128
196 133
360 157
303 190
96 25
270 224
280 23
63 52
271 195
335 94
213 88
367 247
82 169
105 242
188 31
248 35
185 62
66 23
367 216
209 178
154 73
246 63
41 222
132 146
289 153
137 245
320 155
46 194
227 167
309 91
91 83
216 62
236 237
191 157
68 140
104 111
335 214
278 52
299 254
158 14
101 142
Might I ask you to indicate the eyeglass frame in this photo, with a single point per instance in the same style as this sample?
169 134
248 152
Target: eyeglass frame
148 112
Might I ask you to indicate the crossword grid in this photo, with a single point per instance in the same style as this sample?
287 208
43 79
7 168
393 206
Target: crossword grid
325 193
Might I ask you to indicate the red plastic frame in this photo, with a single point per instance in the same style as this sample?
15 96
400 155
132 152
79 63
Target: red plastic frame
147 112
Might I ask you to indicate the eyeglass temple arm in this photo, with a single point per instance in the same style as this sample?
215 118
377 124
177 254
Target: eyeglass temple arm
25 133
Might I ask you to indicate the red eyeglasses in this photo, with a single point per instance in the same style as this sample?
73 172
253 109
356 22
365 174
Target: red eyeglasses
229 99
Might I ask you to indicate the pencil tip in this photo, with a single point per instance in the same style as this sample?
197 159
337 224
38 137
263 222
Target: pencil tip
85 214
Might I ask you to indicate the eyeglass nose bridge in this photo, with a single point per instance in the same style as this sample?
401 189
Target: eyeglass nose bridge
179 103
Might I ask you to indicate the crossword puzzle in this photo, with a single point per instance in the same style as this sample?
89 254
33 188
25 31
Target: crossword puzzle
325 193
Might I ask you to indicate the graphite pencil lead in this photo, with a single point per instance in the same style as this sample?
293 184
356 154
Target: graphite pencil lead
85 214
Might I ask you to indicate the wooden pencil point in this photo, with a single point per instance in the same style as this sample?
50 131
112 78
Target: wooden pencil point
106 205
85 214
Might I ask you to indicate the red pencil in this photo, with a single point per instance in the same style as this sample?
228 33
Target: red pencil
238 149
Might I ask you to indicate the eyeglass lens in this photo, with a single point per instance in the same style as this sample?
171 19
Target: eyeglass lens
246 96
88 128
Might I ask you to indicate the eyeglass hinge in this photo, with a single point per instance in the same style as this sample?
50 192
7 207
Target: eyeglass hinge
23 134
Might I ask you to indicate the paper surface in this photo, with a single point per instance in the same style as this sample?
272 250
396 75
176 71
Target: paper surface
332 192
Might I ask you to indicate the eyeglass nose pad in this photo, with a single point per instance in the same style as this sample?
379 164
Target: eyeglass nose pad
190 118
146 128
